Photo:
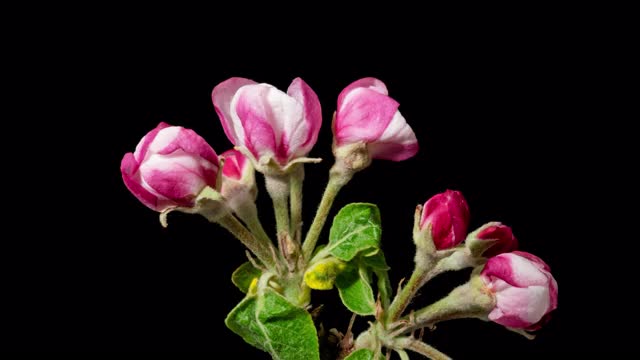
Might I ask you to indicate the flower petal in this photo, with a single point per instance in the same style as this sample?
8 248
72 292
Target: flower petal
307 132
131 177
179 138
222 96
268 117
398 141
520 307
363 116
515 270
143 145
178 177
534 259
234 163
368 82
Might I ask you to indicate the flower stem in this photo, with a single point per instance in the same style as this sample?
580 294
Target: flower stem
237 229
248 213
421 348
295 202
278 189
469 300
420 275
337 179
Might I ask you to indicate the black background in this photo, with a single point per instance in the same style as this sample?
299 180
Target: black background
500 108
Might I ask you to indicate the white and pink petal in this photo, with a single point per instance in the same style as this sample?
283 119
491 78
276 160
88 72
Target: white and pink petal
222 96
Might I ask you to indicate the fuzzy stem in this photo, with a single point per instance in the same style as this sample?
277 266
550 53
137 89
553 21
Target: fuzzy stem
421 348
337 179
278 189
421 274
237 229
248 213
469 300
295 201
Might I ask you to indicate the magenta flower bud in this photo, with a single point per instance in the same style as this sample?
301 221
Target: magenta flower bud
236 166
366 114
238 179
269 124
524 290
169 168
447 216
491 239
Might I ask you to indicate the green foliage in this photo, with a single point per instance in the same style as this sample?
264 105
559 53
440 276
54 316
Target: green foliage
270 323
355 229
355 291
363 354
244 275
355 238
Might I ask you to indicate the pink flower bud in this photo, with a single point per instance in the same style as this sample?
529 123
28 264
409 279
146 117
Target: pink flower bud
524 289
492 239
367 114
238 179
270 124
169 167
447 214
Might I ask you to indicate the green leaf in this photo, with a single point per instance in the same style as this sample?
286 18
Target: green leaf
356 228
270 323
384 287
244 275
355 291
363 354
376 261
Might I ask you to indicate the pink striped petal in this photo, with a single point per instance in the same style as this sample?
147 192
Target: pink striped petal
520 307
304 135
363 116
143 145
131 177
269 117
515 270
234 164
179 179
534 259
222 96
369 82
186 140
398 141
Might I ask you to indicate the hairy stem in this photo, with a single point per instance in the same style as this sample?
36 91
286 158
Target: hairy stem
278 189
469 300
421 348
248 213
421 274
237 229
336 182
295 203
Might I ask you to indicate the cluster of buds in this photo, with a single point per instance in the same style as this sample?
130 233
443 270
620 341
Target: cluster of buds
273 132
520 288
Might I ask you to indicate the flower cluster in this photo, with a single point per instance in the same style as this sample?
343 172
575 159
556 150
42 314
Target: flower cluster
272 133
521 285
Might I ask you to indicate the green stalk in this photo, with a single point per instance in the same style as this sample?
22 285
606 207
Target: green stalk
248 213
330 192
278 189
421 348
295 202
237 229
420 275
469 300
